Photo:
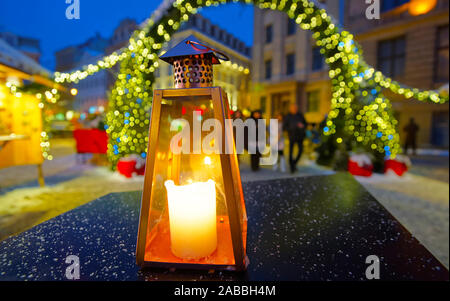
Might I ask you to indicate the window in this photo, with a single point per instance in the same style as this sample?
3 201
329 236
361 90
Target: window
387 5
269 33
291 27
391 57
268 69
317 59
241 46
235 81
312 101
290 64
262 103
441 69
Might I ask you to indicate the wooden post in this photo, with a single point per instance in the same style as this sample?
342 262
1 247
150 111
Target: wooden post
41 179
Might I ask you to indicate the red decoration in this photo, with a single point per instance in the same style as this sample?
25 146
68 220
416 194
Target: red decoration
129 166
126 167
91 141
356 170
398 167
141 170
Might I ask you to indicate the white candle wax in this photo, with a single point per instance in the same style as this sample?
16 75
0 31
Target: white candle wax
192 217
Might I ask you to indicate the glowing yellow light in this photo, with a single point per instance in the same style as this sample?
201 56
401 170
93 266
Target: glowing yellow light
192 216
420 7
69 115
207 160
73 91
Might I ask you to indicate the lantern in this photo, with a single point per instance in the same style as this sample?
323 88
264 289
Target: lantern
192 210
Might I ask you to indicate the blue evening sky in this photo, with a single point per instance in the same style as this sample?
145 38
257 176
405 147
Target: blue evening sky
46 20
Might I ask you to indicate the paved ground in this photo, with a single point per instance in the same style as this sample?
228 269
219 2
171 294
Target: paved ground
420 203
420 200
434 167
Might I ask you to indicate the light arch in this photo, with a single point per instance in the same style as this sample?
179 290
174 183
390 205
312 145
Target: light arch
359 110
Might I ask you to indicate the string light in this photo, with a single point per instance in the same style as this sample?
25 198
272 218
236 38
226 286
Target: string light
46 96
359 109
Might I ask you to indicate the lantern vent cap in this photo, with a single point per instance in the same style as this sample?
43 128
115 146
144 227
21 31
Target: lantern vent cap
191 46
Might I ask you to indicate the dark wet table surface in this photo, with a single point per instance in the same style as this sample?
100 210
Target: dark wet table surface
306 228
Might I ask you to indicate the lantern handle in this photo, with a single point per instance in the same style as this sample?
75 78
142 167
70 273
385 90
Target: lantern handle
221 56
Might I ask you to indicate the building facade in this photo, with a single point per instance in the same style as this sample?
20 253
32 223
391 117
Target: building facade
233 76
28 46
411 45
411 48
70 57
93 91
287 67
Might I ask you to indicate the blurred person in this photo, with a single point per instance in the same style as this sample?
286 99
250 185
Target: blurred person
237 115
323 123
311 141
254 158
315 134
411 130
281 162
295 124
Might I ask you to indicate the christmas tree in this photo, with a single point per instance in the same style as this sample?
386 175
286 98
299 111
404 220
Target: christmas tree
360 115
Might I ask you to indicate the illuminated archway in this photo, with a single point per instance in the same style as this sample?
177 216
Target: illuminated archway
359 111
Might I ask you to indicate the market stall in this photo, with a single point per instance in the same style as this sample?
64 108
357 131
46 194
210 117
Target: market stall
22 135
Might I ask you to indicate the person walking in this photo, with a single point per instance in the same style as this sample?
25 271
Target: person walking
295 124
281 162
254 158
237 115
411 130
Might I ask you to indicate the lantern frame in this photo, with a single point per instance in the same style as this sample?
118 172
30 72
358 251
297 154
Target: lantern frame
231 178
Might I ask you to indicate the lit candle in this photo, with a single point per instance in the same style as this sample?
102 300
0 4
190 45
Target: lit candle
192 217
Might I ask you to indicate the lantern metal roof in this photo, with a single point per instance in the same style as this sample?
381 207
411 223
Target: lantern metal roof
184 48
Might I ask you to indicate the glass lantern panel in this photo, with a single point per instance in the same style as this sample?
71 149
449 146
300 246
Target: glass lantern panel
237 180
188 219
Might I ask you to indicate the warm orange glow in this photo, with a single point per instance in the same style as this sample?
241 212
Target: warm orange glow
420 7
192 216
